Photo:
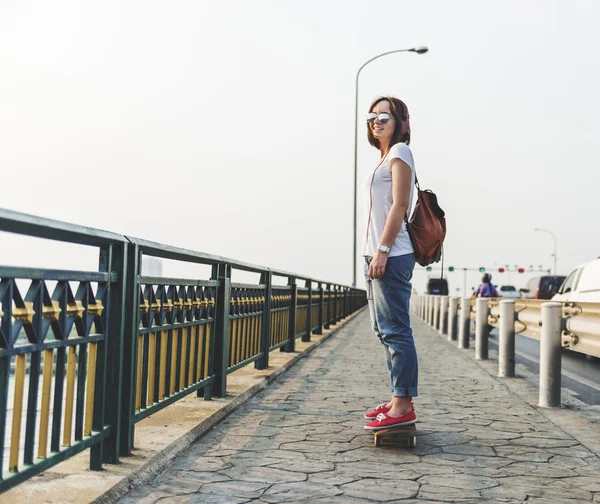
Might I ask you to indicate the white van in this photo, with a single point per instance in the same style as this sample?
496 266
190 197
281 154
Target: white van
582 285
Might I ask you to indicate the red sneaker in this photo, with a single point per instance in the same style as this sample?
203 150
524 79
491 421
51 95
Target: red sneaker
382 408
384 421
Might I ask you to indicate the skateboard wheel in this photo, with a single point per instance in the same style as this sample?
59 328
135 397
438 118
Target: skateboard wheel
412 442
377 441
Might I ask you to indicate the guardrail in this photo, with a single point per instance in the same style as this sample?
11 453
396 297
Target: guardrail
114 346
574 326
580 321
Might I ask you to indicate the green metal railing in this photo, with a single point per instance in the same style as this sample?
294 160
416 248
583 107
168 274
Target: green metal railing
84 356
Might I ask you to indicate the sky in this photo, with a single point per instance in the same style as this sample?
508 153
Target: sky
228 127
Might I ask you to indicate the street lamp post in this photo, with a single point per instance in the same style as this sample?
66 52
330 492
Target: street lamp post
553 236
418 50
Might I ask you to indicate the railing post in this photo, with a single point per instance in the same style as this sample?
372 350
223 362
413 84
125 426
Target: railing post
328 315
131 314
306 337
266 278
221 273
443 315
436 312
321 309
112 259
550 355
464 330
335 305
506 339
482 330
452 318
291 344
346 303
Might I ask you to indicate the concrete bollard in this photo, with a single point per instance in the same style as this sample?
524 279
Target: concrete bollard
464 330
482 330
550 355
431 308
443 315
436 312
506 339
452 318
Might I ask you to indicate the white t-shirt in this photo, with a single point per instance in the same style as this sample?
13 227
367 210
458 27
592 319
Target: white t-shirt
378 198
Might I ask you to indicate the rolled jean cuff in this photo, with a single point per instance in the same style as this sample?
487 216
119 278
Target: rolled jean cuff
405 392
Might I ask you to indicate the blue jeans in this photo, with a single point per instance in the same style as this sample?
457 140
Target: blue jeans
389 301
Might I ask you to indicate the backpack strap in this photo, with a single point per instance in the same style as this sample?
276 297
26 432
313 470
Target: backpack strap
418 189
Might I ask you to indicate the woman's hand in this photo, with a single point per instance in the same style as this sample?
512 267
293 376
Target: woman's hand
377 266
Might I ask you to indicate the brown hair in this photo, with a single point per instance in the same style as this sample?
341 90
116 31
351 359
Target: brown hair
399 111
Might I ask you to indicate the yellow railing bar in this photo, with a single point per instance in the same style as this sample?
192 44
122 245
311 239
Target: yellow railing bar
162 376
184 339
138 378
172 383
90 389
193 334
71 368
151 368
45 410
15 441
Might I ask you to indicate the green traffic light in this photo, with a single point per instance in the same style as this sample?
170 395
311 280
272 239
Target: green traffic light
451 268
481 270
428 268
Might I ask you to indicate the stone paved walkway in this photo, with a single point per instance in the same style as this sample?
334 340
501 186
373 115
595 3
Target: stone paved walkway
302 439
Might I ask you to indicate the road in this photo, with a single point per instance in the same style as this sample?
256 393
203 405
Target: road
578 373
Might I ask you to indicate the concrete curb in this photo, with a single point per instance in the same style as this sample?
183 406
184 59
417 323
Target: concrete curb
161 460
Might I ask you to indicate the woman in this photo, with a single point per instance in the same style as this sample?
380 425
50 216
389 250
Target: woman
390 257
486 289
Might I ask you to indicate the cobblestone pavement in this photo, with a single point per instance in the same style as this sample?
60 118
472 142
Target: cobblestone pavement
302 439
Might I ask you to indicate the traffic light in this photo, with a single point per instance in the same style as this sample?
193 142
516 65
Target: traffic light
521 270
428 268
501 270
481 270
451 268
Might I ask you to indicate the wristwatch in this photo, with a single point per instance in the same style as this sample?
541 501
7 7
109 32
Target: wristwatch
383 248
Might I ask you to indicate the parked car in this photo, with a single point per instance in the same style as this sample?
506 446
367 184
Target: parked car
582 284
509 291
437 286
542 287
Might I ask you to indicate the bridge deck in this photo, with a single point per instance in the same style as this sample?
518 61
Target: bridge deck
302 439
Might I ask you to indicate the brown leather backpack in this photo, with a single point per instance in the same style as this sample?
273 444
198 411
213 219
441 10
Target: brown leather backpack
427 227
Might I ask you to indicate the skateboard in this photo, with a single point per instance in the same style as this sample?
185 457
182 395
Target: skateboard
405 435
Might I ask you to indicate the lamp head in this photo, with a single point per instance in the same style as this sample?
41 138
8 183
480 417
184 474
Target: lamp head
420 50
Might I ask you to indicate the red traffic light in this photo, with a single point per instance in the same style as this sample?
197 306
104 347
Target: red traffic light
521 270
501 270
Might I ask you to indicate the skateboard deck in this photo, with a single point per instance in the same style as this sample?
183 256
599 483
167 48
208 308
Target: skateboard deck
405 435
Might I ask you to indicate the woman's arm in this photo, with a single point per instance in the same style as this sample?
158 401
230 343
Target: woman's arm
401 184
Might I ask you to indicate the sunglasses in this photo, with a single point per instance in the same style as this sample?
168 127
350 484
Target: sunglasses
383 118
